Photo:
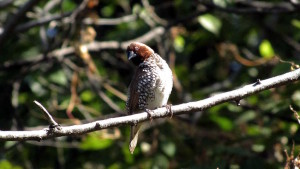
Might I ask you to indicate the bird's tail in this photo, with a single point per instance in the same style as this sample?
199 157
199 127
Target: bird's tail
134 134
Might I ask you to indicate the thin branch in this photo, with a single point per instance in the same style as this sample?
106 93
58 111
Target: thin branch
40 21
253 7
234 95
86 21
109 21
93 46
48 115
295 114
150 10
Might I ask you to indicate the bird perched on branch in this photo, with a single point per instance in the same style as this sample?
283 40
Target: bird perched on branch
150 87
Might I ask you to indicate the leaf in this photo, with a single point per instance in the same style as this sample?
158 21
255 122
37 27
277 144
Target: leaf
258 148
210 23
108 10
266 49
115 166
223 122
169 148
160 161
296 97
246 116
179 43
296 23
36 87
4 164
58 77
93 141
68 5
87 96
221 3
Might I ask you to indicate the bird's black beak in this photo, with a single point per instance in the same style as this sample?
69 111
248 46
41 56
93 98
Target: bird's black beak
130 55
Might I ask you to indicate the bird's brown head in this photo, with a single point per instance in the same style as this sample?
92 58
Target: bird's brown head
138 52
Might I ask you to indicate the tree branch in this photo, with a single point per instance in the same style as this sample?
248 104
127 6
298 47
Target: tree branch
93 46
12 22
234 95
254 7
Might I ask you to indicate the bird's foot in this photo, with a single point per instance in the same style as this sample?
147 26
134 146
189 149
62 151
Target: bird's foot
150 114
169 110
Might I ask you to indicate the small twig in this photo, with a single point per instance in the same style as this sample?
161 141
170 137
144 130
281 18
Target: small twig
150 10
41 21
52 122
290 158
109 21
295 114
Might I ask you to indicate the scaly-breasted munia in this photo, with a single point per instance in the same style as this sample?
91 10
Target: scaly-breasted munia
151 84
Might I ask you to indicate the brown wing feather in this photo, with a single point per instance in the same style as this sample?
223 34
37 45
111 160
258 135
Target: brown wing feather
133 99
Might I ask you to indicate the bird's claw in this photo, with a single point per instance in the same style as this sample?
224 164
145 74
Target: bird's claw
150 114
169 110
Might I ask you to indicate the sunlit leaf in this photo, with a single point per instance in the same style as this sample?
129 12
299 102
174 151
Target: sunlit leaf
23 97
94 142
258 148
4 164
108 10
210 23
221 3
266 49
136 8
179 43
296 23
115 166
256 130
68 5
87 96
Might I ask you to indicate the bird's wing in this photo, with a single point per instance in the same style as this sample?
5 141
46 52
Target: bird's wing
141 89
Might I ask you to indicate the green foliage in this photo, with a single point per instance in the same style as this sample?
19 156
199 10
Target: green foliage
58 77
169 148
210 23
4 164
93 141
179 43
266 49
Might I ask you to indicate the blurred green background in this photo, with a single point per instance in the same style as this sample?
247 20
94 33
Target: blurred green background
70 56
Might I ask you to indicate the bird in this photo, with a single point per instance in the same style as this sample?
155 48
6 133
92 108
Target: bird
150 86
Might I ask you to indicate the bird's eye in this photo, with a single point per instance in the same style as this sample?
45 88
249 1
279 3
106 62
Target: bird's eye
130 55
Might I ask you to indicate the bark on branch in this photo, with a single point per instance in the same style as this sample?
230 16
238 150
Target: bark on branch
234 95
